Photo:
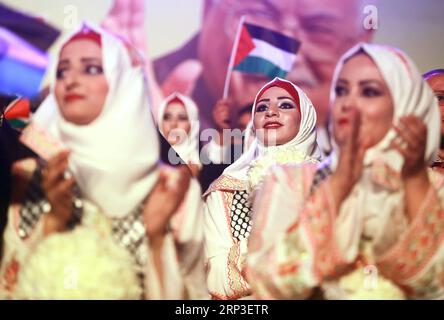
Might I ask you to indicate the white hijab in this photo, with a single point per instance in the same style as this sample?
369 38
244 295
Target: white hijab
188 150
114 159
371 207
304 141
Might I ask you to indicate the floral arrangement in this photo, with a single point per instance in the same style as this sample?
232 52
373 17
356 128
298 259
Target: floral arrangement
366 284
275 155
84 263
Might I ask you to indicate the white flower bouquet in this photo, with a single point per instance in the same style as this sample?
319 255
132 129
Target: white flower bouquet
84 263
274 156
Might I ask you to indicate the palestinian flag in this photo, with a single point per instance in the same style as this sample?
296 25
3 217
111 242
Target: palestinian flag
18 112
264 51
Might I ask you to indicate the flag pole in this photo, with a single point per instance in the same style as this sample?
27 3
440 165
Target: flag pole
233 54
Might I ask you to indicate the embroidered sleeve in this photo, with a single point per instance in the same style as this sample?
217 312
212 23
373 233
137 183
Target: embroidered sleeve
17 244
16 249
224 256
416 261
288 264
25 223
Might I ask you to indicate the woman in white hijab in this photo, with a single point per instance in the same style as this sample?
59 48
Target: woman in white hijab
284 122
178 121
110 181
367 223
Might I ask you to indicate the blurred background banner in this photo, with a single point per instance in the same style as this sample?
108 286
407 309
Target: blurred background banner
409 24
24 40
189 41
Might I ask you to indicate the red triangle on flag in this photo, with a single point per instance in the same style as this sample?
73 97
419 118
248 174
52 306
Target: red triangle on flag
244 47
18 109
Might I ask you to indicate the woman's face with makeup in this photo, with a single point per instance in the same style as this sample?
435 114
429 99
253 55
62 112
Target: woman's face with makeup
360 85
81 87
436 82
276 117
175 124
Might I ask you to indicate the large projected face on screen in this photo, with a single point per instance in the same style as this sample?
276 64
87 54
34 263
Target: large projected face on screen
325 30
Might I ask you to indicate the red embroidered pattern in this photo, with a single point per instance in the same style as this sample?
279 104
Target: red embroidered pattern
226 183
308 172
415 250
236 281
219 296
263 210
288 268
227 198
318 222
10 275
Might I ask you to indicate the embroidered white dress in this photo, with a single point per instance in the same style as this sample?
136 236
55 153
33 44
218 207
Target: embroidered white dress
228 219
311 245
182 252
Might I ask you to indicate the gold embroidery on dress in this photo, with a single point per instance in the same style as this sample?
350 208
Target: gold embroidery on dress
226 183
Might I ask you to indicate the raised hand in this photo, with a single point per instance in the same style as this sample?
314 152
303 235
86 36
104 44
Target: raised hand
164 200
126 18
58 191
351 157
411 143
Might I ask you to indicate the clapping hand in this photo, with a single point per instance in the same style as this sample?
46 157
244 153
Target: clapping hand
164 200
411 143
351 158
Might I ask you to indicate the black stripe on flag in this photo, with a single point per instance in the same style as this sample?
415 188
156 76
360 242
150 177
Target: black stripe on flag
274 38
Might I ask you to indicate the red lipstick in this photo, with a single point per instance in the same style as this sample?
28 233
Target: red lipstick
343 121
73 97
272 125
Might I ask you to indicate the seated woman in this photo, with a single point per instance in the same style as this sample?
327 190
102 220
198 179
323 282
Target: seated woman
367 223
284 122
98 111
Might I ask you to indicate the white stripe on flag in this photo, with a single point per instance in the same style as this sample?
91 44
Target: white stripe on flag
264 50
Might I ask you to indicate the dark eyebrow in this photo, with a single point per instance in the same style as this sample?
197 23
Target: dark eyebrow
438 91
342 80
83 60
264 100
64 61
281 98
86 60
